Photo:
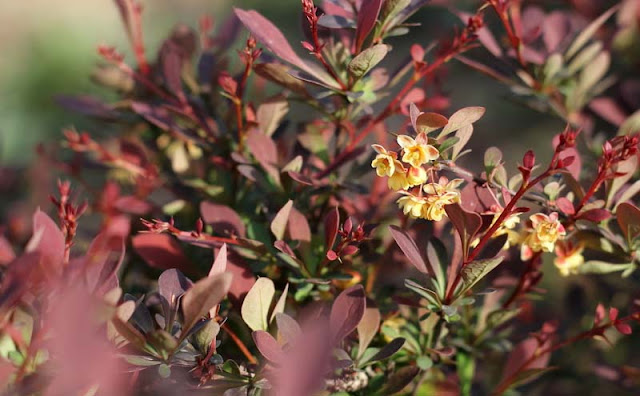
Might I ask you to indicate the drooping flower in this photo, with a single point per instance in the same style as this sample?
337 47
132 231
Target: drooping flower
398 180
412 205
417 153
384 163
416 176
569 258
438 196
545 231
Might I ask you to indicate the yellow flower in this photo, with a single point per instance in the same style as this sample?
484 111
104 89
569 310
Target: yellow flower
568 258
384 161
438 196
398 180
416 176
507 227
417 153
412 205
545 231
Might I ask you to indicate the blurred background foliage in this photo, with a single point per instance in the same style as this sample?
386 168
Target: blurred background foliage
49 48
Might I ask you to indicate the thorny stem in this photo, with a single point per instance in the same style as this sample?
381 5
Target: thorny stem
506 383
243 348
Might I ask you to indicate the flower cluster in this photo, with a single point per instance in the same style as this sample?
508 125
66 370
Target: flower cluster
542 235
421 198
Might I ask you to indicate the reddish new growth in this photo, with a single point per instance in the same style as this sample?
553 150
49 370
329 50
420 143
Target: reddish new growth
68 215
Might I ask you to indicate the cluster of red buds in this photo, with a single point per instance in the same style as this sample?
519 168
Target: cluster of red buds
350 238
616 150
68 213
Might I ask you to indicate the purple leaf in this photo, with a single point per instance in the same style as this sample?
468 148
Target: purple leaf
410 250
102 261
367 16
347 312
171 285
268 346
288 328
171 63
466 223
272 38
331 224
87 105
388 350
555 28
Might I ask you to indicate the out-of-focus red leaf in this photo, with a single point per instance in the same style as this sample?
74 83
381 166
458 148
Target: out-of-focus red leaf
268 346
608 109
521 353
555 29
161 251
47 239
595 215
6 251
415 95
223 219
262 147
347 312
102 261
466 223
171 63
298 226
331 224
565 206
243 278
367 16
133 205
628 216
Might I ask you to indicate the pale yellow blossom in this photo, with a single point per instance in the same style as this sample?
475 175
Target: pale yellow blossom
416 176
384 161
544 233
398 180
412 205
416 153
569 258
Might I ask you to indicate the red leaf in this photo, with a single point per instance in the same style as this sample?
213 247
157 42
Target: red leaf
623 328
331 255
298 226
595 215
347 312
268 346
410 250
263 148
331 223
102 261
367 16
223 219
565 206
160 251
6 251
628 217
466 223
47 239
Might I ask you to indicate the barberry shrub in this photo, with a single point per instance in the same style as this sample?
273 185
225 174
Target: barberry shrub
277 219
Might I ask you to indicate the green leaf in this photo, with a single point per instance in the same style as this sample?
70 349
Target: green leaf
367 60
424 362
201 297
602 267
588 32
475 271
255 306
279 223
367 329
138 360
462 118
164 371
279 308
